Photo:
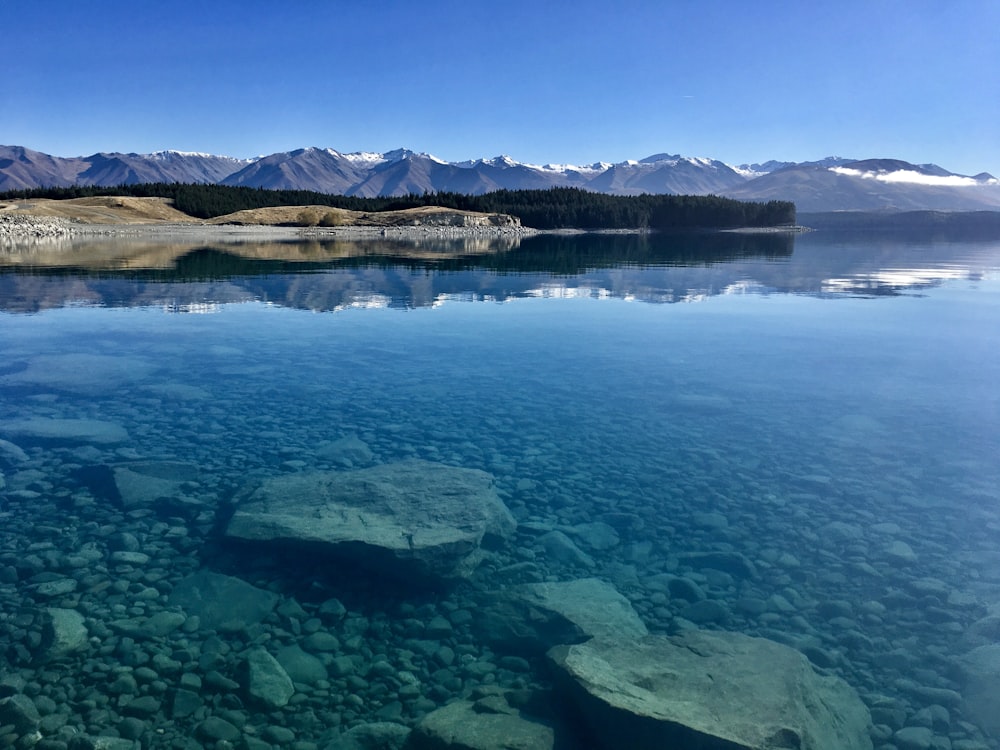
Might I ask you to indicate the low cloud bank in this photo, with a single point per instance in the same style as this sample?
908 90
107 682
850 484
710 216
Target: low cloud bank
916 178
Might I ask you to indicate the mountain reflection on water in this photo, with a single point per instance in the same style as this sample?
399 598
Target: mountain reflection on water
334 275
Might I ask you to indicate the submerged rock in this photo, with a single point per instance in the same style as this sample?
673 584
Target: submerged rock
18 711
65 632
981 689
141 484
533 617
222 602
561 549
301 666
70 430
267 682
84 742
349 451
734 563
12 452
713 690
484 725
412 517
378 735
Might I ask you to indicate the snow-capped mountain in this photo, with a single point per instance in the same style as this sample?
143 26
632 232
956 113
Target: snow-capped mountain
830 184
23 168
872 185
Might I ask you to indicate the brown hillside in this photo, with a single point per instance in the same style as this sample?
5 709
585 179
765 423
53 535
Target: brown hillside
103 210
324 216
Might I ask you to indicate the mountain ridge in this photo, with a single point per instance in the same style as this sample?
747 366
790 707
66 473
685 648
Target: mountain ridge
830 184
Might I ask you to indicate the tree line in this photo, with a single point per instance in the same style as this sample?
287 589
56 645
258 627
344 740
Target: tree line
554 208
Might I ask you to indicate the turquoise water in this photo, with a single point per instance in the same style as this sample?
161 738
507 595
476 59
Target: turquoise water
822 409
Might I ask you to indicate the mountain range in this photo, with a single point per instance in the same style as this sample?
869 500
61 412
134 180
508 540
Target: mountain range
831 184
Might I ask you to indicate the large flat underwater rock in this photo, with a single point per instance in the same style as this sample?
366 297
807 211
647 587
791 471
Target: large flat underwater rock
69 430
410 518
222 602
710 690
533 617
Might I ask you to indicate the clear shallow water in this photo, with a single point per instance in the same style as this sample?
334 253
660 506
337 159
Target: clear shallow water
825 407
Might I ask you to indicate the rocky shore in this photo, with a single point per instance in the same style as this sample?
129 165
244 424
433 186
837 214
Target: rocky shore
18 228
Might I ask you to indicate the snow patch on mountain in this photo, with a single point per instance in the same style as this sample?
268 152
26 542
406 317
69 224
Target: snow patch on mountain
595 168
173 155
746 171
361 158
506 162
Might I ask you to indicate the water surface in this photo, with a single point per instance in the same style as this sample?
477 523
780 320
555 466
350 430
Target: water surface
824 407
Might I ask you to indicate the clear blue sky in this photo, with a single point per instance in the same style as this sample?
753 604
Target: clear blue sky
542 81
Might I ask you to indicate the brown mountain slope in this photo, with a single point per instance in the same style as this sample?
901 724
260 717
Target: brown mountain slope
103 210
325 216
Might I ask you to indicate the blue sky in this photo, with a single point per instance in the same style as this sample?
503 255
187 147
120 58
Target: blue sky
542 81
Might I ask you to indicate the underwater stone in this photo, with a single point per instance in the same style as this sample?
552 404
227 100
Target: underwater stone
58 587
141 484
734 563
378 735
349 451
750 606
900 552
597 535
301 666
982 632
713 690
268 684
321 641
184 703
438 628
131 728
914 738
64 632
143 706
222 602
981 686
333 608
464 725
19 712
594 606
533 617
342 666
70 430
83 742
681 587
12 451
215 728
412 518
278 735
560 548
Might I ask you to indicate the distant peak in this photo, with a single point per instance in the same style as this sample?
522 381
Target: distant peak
660 157
362 157
503 161
170 154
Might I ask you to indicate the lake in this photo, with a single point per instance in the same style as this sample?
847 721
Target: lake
791 437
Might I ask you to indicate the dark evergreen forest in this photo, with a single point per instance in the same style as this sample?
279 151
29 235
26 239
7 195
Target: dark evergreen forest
555 208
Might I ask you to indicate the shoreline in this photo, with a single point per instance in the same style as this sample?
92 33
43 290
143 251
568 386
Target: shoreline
23 227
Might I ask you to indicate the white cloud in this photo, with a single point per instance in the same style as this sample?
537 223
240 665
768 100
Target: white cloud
914 178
